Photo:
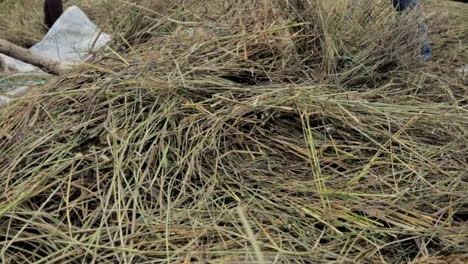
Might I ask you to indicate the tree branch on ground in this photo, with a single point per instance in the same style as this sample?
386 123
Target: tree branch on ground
46 64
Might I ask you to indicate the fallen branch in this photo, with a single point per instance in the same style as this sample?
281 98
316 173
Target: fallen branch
25 55
2 65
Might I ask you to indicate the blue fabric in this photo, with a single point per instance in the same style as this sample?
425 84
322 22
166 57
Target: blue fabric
426 51
403 5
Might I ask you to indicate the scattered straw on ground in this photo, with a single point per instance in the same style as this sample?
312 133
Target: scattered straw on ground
241 132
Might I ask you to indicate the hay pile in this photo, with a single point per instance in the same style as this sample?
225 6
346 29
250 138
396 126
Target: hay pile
235 132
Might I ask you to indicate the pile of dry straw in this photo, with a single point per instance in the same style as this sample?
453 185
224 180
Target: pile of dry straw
234 131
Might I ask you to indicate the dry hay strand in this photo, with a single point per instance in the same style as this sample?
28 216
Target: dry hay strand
211 136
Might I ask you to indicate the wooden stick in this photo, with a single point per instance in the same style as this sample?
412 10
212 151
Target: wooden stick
25 55
3 66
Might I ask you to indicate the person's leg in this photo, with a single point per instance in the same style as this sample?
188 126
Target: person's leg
53 9
404 5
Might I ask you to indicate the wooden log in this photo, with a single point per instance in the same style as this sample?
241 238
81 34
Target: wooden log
46 64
